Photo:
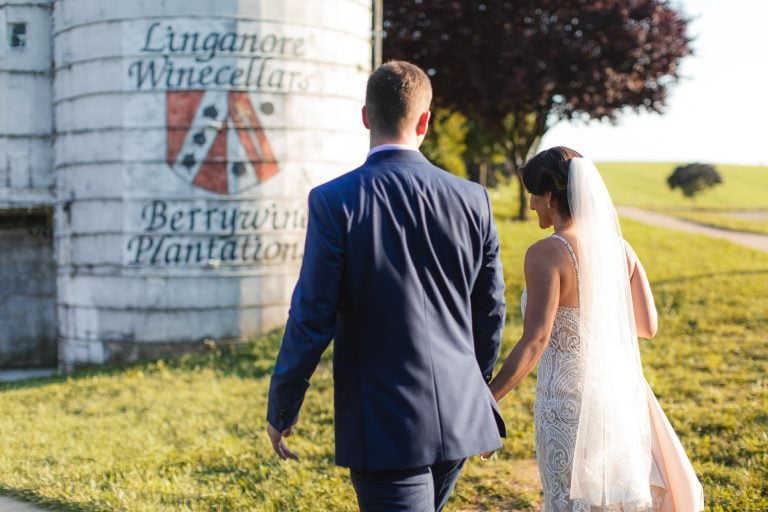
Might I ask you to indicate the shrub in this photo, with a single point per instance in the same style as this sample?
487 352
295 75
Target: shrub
694 178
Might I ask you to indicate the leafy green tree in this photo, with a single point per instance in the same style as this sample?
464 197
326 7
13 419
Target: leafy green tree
445 144
486 156
518 67
463 147
694 178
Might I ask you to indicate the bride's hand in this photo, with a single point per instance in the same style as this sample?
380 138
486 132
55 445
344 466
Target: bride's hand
488 455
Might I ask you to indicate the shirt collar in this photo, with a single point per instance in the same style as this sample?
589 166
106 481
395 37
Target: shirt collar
390 147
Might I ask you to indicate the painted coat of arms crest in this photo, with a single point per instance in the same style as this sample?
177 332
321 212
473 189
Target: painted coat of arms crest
216 141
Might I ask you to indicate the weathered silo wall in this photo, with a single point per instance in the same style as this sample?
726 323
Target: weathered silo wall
26 121
188 135
27 271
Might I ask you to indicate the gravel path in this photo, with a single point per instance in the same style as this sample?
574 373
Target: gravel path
751 240
22 374
11 505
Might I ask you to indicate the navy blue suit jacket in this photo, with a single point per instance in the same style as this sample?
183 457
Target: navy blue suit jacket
401 268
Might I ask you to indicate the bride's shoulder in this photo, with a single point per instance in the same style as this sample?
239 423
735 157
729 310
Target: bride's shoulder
544 250
544 244
553 253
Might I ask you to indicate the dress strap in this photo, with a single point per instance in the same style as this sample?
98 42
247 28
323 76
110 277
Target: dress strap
573 259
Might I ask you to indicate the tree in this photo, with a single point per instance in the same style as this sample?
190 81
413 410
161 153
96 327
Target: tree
518 67
446 143
694 178
462 147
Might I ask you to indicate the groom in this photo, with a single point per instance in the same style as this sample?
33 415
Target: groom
401 267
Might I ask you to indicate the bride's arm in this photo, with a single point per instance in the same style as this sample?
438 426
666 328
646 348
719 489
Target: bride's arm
543 285
646 317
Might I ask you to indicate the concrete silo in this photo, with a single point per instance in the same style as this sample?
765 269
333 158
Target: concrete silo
188 133
27 270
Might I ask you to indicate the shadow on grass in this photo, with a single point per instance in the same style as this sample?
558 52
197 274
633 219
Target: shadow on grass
252 359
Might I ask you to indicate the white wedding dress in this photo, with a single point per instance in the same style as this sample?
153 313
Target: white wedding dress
557 409
603 444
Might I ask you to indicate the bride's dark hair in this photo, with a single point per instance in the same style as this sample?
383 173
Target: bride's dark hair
548 172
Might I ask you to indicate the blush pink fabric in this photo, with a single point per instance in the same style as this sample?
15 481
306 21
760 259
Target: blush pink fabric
671 464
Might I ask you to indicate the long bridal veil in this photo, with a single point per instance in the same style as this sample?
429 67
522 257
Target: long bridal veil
612 456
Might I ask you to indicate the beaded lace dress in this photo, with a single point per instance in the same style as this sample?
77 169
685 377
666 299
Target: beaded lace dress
557 407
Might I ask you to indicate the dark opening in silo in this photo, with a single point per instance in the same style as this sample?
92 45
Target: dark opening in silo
27 290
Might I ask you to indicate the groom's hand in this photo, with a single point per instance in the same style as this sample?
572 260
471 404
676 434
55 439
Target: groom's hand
281 449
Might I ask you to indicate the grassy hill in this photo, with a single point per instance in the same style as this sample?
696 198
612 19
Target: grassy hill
739 203
644 184
189 435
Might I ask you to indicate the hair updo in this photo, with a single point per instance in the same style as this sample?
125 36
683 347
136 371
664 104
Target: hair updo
548 172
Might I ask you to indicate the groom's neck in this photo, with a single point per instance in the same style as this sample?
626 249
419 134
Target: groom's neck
399 139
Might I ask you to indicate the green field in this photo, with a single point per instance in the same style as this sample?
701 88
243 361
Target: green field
740 203
189 435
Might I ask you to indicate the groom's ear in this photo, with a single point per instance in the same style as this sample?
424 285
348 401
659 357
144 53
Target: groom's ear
423 124
365 118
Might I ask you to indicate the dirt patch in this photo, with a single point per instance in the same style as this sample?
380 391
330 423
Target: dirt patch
499 485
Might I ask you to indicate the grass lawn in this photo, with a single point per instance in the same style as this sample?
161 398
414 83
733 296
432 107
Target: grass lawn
739 203
747 221
189 435
644 184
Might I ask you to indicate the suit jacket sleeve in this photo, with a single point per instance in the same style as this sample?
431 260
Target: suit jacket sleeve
488 304
312 318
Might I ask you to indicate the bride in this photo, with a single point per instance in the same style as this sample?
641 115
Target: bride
602 441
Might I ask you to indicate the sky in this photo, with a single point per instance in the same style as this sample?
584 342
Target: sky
716 114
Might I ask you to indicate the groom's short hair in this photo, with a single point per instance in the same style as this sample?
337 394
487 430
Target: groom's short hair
398 92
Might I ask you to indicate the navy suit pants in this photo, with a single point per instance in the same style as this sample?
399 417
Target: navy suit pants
422 489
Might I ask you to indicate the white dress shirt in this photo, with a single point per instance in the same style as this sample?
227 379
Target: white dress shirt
387 147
